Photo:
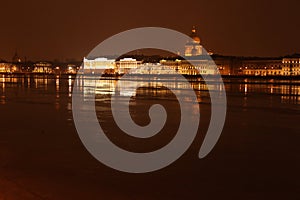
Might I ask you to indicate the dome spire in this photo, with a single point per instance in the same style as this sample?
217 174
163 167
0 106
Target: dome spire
194 35
194 29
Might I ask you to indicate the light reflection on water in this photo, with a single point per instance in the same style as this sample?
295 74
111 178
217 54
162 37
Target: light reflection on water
58 89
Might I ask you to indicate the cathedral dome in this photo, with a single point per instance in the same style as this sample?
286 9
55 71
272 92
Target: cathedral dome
193 46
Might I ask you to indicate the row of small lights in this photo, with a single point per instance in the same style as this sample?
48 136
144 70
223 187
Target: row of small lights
252 68
291 61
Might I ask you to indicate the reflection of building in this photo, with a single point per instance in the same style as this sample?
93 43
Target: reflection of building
125 65
193 47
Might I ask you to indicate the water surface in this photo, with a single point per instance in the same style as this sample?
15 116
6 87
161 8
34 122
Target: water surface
42 157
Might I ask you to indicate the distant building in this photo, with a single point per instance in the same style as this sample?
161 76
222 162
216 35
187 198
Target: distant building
43 67
193 67
124 65
16 58
153 68
262 67
7 68
71 69
196 65
226 66
193 47
291 66
98 66
271 67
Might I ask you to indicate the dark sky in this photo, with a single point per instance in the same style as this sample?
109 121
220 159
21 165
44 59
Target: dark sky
58 29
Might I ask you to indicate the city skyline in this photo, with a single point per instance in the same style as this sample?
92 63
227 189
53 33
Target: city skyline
69 30
151 100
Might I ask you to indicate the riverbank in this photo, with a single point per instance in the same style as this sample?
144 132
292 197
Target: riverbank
117 76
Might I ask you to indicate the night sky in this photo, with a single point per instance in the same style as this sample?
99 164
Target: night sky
62 30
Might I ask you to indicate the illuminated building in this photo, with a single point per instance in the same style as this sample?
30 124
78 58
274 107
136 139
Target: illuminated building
153 68
193 47
7 67
43 67
195 67
291 66
98 65
261 67
125 65
71 69
271 67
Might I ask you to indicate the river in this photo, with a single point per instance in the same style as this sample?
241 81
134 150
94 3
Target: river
256 157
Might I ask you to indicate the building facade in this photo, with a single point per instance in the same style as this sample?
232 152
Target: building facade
8 68
271 67
199 66
123 66
291 67
193 67
262 67
98 65
43 67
